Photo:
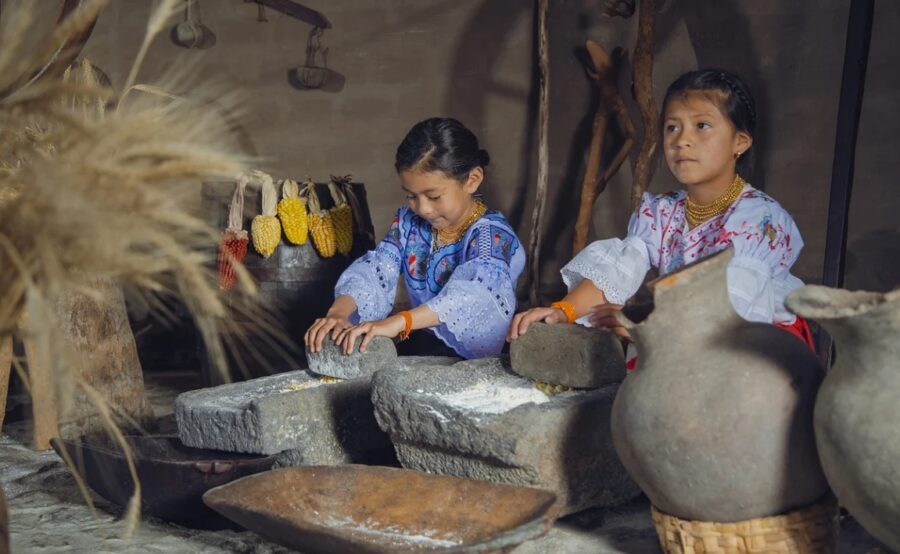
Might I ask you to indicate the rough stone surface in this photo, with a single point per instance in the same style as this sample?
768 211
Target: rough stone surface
297 415
331 361
476 419
4 524
49 515
569 355
314 421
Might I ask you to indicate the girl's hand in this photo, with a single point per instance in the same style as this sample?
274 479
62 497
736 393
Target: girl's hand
390 328
603 316
320 328
523 320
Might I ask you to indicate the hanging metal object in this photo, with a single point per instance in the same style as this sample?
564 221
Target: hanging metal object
192 33
310 74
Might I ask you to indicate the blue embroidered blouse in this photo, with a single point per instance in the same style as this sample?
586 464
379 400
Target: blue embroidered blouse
470 284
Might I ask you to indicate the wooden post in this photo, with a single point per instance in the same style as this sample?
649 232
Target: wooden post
42 388
643 92
96 328
6 354
534 244
610 103
853 80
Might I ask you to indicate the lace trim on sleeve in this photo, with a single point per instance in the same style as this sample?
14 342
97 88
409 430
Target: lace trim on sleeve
475 308
372 283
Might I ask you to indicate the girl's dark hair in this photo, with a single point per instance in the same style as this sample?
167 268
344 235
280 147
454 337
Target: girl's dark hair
441 144
732 96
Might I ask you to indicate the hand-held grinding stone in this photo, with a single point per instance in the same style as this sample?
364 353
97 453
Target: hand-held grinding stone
569 355
332 362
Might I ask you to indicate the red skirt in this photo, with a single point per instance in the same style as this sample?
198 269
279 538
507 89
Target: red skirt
801 329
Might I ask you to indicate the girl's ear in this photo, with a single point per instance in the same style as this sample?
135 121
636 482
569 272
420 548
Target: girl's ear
473 180
742 142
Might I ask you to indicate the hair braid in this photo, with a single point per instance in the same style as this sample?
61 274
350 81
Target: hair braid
734 88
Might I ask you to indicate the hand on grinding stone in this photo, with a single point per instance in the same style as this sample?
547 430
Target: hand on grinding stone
390 328
603 316
320 328
523 320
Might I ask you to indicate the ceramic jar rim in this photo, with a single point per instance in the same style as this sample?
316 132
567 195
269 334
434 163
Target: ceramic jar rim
821 302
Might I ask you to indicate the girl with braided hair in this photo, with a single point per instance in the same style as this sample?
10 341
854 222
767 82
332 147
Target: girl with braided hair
707 123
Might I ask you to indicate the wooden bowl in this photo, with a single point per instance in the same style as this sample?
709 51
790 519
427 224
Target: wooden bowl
173 476
373 509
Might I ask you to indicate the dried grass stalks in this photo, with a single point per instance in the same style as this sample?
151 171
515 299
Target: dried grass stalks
85 195
88 192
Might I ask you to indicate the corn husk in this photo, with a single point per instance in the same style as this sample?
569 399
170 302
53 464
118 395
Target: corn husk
265 227
233 245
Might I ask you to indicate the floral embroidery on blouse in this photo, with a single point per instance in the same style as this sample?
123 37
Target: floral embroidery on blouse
470 284
764 236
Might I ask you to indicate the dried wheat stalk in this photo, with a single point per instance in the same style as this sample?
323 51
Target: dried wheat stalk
90 192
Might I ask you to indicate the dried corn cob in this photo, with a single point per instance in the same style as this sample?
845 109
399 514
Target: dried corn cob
233 246
292 213
341 216
265 228
321 226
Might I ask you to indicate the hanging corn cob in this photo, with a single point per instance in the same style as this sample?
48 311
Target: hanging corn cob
341 215
321 226
265 228
233 246
292 213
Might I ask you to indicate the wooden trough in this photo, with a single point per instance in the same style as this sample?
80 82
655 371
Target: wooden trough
374 509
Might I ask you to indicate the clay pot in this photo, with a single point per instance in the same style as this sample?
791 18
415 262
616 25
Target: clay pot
716 421
857 416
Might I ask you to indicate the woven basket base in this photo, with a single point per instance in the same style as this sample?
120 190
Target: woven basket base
811 530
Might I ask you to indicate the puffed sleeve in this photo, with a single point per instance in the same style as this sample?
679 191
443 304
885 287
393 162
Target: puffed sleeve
618 266
766 244
371 280
477 303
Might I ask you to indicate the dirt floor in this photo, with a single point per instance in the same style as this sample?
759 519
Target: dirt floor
48 514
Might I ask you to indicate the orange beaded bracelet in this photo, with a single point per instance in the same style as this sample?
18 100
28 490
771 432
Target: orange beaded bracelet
567 308
407 319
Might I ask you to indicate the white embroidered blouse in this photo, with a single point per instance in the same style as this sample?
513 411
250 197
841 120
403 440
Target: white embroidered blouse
766 244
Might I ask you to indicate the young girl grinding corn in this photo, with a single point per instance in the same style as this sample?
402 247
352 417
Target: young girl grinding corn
707 125
459 260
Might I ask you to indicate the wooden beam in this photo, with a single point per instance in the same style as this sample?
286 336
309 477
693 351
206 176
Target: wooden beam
853 80
642 77
6 360
299 11
540 197
610 103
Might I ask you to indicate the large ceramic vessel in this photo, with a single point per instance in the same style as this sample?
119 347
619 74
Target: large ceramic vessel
857 414
716 421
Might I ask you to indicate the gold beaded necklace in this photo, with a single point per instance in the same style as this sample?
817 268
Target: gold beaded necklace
698 214
443 237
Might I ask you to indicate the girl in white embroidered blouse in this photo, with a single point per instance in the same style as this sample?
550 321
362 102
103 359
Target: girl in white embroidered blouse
707 126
